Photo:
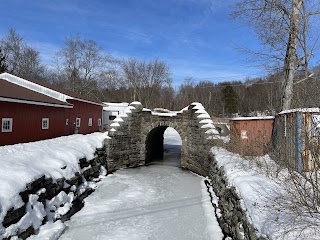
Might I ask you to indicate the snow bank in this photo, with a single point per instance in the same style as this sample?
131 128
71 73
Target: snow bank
49 231
56 158
258 194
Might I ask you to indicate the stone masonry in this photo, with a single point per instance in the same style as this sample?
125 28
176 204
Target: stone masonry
137 137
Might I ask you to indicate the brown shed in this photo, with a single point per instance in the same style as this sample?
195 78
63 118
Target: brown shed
251 135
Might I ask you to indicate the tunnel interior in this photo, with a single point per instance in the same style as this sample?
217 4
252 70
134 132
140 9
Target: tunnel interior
154 144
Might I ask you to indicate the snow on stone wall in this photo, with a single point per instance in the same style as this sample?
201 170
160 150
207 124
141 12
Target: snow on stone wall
42 181
232 219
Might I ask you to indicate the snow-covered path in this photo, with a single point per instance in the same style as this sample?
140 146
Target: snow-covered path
159 201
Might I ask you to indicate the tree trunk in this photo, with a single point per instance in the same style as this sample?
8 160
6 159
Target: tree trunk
290 59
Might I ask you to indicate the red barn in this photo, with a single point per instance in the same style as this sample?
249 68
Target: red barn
32 111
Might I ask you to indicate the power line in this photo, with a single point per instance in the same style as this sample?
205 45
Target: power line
222 85
236 85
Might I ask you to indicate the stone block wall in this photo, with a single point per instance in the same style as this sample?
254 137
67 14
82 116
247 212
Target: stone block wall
124 145
198 146
233 220
52 199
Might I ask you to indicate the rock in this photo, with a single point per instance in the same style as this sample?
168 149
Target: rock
76 180
83 163
13 216
27 233
36 184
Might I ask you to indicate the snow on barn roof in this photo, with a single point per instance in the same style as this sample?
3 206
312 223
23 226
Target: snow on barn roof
10 92
123 104
306 110
252 118
114 106
166 114
57 93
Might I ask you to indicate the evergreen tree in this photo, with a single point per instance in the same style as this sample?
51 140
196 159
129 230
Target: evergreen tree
230 99
3 65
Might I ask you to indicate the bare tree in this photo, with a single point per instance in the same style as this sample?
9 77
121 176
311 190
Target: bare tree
282 27
21 59
3 65
80 64
186 92
145 78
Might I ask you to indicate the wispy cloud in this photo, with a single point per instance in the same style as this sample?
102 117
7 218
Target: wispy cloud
210 71
47 51
70 6
139 36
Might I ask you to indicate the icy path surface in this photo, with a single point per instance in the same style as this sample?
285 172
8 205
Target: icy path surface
159 201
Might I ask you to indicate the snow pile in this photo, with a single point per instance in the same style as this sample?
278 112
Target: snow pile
59 205
35 213
259 195
49 231
161 110
205 120
24 163
116 123
165 112
306 110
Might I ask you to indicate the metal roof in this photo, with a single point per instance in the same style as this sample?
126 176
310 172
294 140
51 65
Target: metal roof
46 89
10 92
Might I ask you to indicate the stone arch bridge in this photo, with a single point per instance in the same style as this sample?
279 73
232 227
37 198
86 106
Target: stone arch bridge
136 137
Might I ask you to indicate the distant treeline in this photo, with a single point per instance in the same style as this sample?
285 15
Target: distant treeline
82 66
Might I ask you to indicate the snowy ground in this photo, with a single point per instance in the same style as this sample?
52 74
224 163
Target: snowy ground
259 194
159 201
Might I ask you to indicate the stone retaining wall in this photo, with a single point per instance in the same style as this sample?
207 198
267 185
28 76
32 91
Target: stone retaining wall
53 199
233 220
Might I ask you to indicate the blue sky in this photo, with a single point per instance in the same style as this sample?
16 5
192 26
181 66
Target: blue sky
195 37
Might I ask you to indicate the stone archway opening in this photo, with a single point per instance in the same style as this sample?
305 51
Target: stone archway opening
163 146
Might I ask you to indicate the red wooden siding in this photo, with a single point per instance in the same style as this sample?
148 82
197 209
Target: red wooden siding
27 122
252 136
84 111
28 102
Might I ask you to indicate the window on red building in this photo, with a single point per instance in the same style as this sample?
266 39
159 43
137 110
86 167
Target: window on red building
90 122
45 123
7 124
78 122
